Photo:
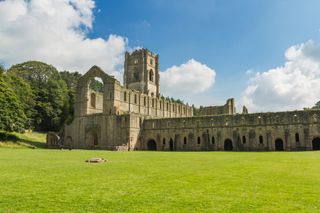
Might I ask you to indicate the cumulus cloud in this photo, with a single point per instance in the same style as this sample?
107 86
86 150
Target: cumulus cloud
189 78
294 85
55 31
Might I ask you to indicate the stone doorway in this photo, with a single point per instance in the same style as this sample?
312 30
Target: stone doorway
152 145
228 145
316 144
171 145
279 145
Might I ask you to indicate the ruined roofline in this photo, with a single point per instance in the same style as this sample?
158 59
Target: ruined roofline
256 114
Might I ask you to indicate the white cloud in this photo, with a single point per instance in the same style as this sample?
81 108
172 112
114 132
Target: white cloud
187 79
55 31
294 85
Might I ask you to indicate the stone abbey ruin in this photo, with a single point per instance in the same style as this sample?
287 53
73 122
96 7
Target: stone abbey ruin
136 117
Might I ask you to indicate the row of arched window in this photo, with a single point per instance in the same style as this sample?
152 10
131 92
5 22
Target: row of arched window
244 140
179 109
185 140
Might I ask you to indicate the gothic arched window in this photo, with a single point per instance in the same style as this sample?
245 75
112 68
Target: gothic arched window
151 75
93 100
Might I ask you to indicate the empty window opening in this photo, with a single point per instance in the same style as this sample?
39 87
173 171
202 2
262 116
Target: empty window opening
151 75
95 95
297 137
260 139
244 141
136 76
93 100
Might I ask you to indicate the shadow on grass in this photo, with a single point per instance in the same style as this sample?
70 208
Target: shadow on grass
11 137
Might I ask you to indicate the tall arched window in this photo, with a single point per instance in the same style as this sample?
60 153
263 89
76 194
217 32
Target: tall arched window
244 139
185 140
260 139
212 140
297 137
93 100
199 141
151 75
125 96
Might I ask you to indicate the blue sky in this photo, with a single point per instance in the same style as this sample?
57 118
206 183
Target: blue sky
214 42
230 36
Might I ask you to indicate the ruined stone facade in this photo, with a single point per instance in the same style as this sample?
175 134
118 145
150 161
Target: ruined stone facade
136 117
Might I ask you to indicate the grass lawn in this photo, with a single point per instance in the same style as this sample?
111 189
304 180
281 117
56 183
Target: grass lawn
41 180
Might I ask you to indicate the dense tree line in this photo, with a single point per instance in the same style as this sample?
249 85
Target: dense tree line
34 95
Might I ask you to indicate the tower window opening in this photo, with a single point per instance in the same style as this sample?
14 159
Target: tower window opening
151 75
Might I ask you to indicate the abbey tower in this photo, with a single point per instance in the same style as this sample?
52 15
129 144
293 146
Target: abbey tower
141 72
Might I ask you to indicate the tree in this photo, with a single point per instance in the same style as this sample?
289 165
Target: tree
12 117
24 93
49 90
2 70
71 79
317 105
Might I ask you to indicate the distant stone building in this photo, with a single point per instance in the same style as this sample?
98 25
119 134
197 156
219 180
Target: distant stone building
136 117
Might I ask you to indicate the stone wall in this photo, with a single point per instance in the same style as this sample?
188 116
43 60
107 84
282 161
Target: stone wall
249 132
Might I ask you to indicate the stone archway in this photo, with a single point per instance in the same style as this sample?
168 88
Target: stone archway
228 146
316 143
92 139
278 144
152 145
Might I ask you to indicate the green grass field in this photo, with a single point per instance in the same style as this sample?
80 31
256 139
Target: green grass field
41 180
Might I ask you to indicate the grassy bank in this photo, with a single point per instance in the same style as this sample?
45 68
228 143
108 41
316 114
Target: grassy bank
22 140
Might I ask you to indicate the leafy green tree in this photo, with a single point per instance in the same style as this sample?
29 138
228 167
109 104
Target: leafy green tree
71 79
195 110
50 93
317 105
24 93
2 70
96 85
12 117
